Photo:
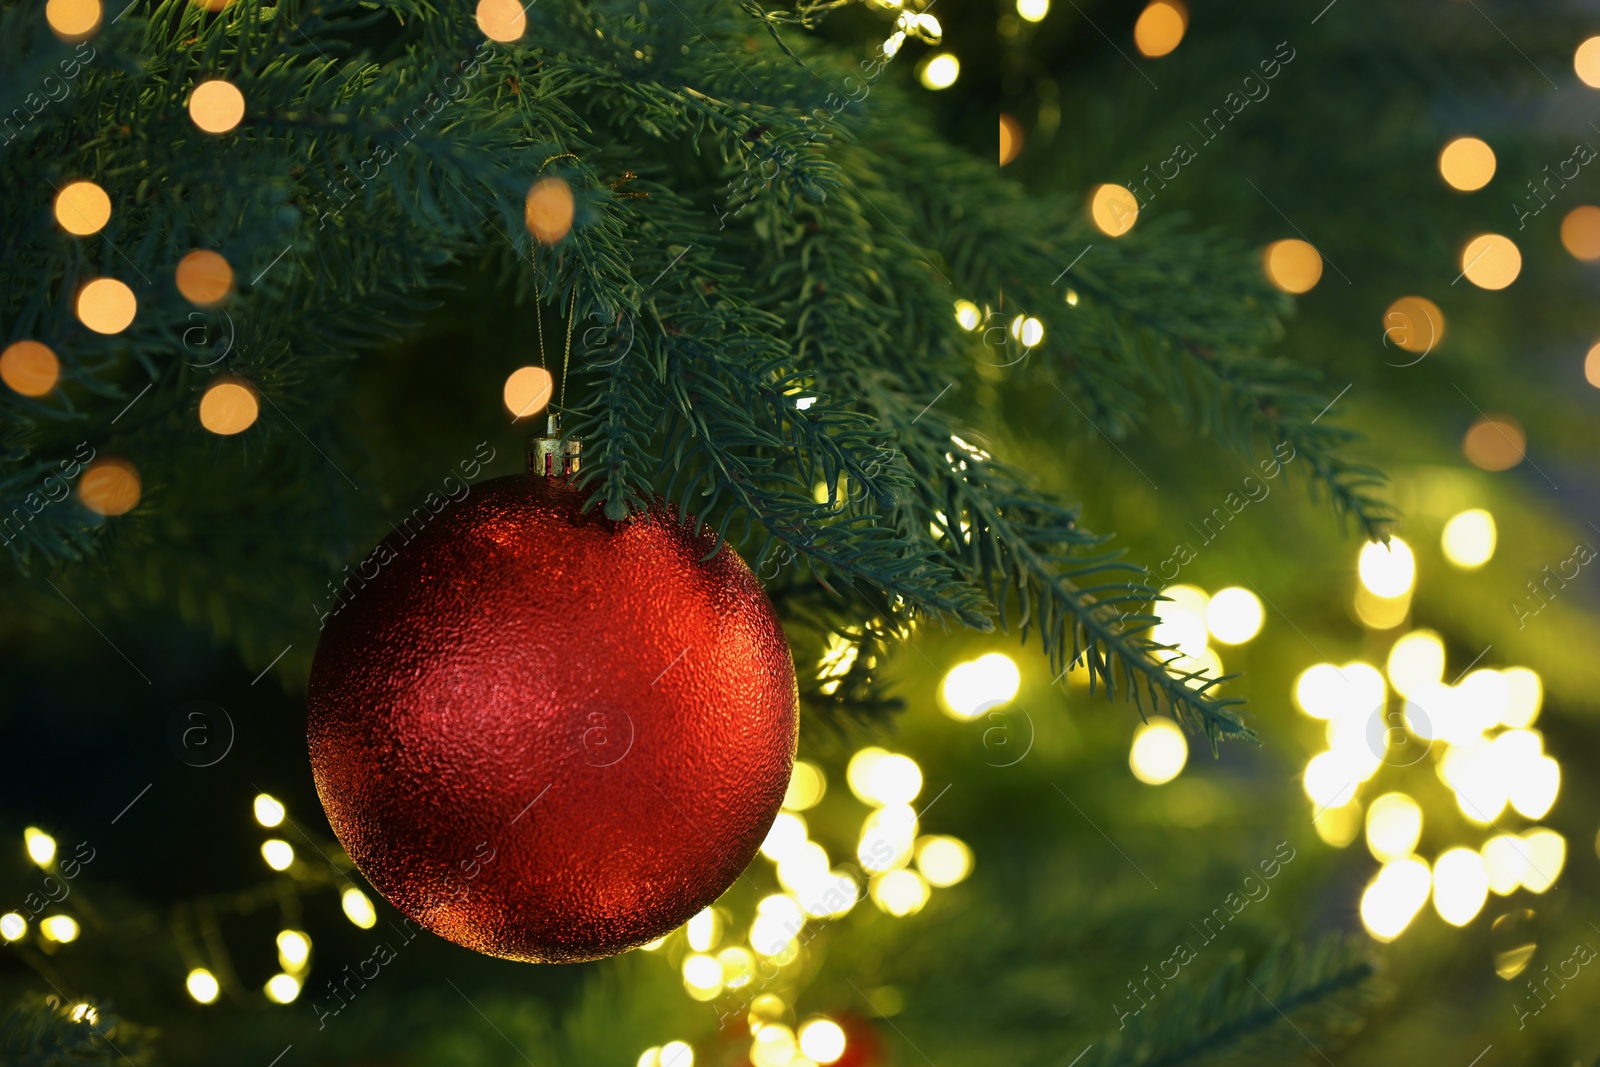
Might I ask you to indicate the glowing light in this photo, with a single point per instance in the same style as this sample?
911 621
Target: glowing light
1466 164
85 1013
1234 615
40 845
773 1046
702 930
202 985
1416 661
888 836
110 486
1387 570
1546 851
652 946
1182 624
59 928
1028 330
29 368
940 71
702 977
1580 233
1414 323
549 210
1523 694
228 407
806 786
1394 826
968 315
1586 61
787 835
501 20
899 893
1381 613
1113 209
1327 692
283 988
1506 861
13 926
1495 443
1338 826
970 689
1293 265
278 853
778 922
1460 886
106 306
358 908
943 861
1469 539
738 967
1472 770
1591 366
204 278
677 1054
893 779
1331 779
1160 28
1028 11
821 1039
528 390
1534 787
82 208
1159 752
294 949
1491 261
1012 138
269 810
1394 897
216 106
73 20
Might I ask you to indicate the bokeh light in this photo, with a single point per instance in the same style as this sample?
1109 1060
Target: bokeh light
1394 897
205 278
216 106
899 892
1466 164
821 1039
1523 695
1027 329
1591 366
1293 265
702 977
294 950
41 847
807 784
106 305
940 71
943 861
82 208
278 853
1460 885
110 486
1416 662
1387 570
1234 615
1113 209
1029 11
202 985
1012 138
1495 443
1586 61
13 927
1469 539
282 988
969 317
970 689
1491 261
1394 826
1159 752
62 929
29 368
1414 323
269 810
1580 233
549 210
527 391
502 20
228 407
73 20
358 908
1160 28
1546 853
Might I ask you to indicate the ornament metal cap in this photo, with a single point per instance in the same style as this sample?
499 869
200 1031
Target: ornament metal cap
550 456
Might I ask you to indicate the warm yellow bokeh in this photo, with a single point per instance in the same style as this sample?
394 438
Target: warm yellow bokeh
1580 232
1113 209
1495 443
1491 261
1159 752
1414 323
204 277
73 20
82 208
1011 139
1467 164
216 106
527 391
106 305
1293 265
110 486
549 210
1586 61
502 20
229 407
30 368
940 71
1160 28
1591 366
1469 538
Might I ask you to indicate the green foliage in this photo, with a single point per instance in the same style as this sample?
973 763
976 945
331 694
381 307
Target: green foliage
42 1031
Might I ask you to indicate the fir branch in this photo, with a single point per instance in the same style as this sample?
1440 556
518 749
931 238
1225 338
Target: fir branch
41 1031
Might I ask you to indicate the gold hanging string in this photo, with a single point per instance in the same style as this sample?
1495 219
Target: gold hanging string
572 315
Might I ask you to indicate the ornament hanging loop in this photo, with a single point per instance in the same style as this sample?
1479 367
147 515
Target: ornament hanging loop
551 457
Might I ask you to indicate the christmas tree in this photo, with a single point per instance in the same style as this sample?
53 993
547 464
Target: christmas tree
1178 528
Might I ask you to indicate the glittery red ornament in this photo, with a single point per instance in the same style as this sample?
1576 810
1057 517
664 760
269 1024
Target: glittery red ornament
545 735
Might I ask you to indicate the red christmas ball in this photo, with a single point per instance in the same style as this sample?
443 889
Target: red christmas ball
545 735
